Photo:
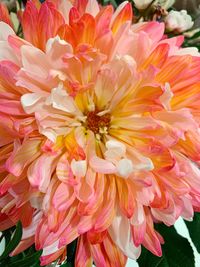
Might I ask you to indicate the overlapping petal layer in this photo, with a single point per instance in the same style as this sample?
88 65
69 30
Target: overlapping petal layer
99 123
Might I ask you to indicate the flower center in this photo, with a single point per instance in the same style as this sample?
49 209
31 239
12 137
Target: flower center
99 124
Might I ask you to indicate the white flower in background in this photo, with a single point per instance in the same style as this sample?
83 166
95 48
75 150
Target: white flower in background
166 4
178 21
142 4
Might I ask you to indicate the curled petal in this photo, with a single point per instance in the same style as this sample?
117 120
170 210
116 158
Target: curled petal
22 156
40 171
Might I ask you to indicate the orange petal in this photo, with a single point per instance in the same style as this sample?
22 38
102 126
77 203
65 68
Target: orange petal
29 23
157 57
123 14
49 21
126 198
4 15
22 156
83 254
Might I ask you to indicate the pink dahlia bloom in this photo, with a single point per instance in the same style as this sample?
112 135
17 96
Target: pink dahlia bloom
99 123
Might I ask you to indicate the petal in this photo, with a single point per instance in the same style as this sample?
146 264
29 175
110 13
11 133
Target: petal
29 20
5 31
31 102
125 167
63 197
8 182
23 156
139 161
120 147
79 167
30 57
107 212
64 8
30 230
83 254
85 188
126 197
136 123
16 43
49 258
108 254
166 97
50 249
5 222
158 57
92 8
102 165
154 29
22 246
181 120
105 87
4 15
151 240
63 170
61 100
6 52
11 107
122 14
70 233
120 232
40 171
115 152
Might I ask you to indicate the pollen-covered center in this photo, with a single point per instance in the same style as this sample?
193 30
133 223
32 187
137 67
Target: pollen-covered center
97 123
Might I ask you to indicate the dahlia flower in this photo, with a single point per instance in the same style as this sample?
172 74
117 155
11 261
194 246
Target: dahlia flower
99 123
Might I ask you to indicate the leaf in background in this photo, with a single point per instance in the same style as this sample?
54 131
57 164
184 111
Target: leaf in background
13 242
67 264
30 261
194 230
71 251
112 2
196 35
147 259
7 234
177 251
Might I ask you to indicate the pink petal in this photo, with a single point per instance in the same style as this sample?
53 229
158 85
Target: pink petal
63 197
23 156
40 171
102 165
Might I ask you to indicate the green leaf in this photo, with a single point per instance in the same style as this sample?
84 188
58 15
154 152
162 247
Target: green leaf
7 234
147 259
195 36
194 230
13 242
112 2
71 251
32 260
67 264
177 251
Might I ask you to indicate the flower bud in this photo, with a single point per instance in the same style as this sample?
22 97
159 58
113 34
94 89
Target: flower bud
142 4
178 21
